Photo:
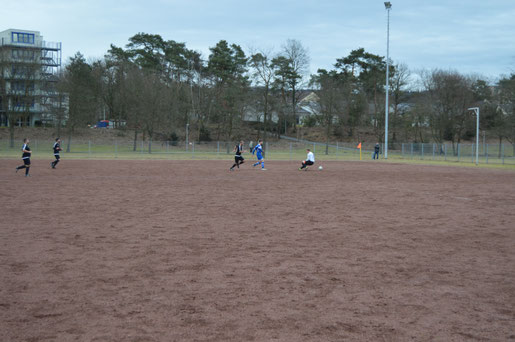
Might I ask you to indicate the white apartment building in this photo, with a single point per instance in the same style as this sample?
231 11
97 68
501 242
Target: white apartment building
29 67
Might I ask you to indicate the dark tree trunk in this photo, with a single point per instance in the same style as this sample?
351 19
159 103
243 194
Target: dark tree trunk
68 144
135 140
11 134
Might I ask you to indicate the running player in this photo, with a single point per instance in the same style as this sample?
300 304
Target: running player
310 160
26 157
238 158
57 149
258 149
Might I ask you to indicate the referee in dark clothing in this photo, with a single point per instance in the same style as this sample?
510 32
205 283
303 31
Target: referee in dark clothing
25 157
377 148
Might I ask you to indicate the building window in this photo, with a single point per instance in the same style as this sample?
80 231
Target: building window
22 86
23 54
24 103
25 38
18 70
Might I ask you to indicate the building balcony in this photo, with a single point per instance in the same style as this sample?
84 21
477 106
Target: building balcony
50 61
40 45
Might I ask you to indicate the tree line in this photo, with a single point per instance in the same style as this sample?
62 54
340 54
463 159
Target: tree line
156 87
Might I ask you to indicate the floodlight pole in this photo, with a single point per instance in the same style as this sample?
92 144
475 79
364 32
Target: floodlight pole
476 111
388 6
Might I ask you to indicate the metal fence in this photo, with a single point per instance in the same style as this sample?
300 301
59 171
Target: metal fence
487 153
283 149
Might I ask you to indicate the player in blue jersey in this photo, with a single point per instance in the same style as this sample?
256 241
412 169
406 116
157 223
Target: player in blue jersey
25 157
258 150
57 148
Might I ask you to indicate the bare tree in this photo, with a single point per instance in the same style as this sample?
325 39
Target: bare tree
506 110
56 103
399 82
77 81
149 101
331 102
449 95
263 75
291 66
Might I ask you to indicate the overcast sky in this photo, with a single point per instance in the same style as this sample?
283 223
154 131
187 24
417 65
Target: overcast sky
470 36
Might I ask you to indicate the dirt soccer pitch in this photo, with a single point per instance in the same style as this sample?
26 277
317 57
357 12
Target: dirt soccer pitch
138 251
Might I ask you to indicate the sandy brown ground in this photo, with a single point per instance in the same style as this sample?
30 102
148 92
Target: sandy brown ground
186 251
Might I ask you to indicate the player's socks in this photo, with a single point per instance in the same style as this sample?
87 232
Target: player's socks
256 164
27 171
262 165
20 167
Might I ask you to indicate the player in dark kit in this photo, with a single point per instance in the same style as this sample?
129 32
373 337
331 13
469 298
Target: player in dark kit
238 158
25 157
57 149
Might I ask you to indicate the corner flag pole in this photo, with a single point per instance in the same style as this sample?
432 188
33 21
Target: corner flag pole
359 146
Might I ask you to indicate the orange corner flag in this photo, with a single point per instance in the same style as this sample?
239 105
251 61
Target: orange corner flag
359 146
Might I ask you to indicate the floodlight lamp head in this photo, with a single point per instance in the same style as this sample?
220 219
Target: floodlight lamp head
388 5
474 109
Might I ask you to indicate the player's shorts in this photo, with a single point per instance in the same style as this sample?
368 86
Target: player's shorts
238 158
26 161
309 162
57 156
259 157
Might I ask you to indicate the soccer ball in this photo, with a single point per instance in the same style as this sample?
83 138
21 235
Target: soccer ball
320 167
